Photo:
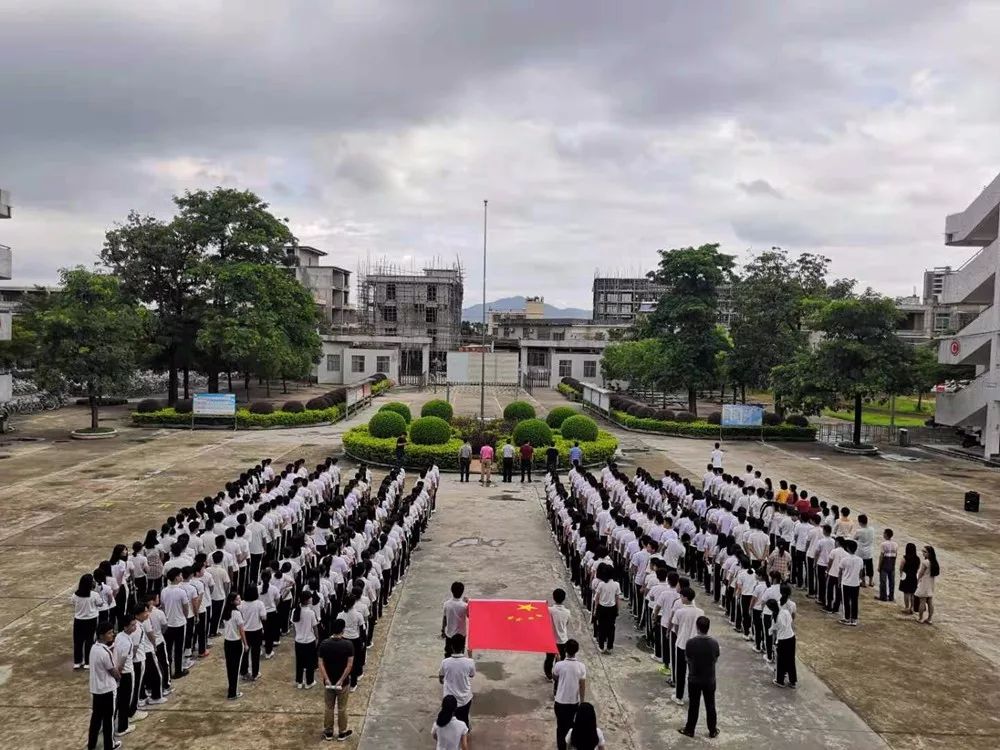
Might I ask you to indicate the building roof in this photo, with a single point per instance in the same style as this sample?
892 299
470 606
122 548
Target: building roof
310 249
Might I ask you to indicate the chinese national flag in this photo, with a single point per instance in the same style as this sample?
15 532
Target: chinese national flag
510 625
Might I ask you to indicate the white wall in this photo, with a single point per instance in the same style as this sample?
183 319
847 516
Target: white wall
576 361
346 374
6 387
466 367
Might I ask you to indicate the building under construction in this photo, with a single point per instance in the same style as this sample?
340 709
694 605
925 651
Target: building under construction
395 302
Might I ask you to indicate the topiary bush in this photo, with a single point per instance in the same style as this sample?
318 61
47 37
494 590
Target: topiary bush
293 407
684 416
517 411
714 418
437 408
378 377
534 431
771 419
262 407
797 420
148 406
635 409
336 396
665 415
559 415
573 383
387 424
430 431
320 402
184 406
400 408
579 427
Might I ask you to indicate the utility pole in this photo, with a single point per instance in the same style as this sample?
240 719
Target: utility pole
482 354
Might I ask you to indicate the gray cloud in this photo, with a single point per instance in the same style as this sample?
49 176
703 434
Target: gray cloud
599 133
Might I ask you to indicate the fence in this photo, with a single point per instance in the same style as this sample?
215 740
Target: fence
884 435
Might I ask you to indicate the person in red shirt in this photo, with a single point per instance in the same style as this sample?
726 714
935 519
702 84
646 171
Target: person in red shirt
526 454
804 506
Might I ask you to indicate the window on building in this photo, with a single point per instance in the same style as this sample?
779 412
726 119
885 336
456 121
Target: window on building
537 358
382 365
431 315
432 294
390 291
942 321
357 363
390 331
333 363
432 332
590 368
389 314
565 368
559 335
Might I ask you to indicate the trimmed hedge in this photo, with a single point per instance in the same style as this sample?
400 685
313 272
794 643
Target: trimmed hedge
533 430
430 431
400 408
579 427
797 420
518 411
437 408
359 444
772 419
559 415
184 406
262 407
148 406
293 407
571 393
103 401
714 418
387 424
244 418
318 403
382 386
705 430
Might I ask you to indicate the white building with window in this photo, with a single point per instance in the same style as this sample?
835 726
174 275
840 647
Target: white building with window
977 405
6 316
347 359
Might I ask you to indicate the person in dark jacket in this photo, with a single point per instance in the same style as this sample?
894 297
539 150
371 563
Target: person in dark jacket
702 652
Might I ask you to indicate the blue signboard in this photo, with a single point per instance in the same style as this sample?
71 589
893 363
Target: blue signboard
214 404
742 415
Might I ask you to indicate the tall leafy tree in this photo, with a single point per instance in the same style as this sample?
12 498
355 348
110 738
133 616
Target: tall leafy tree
166 272
641 363
89 333
858 356
685 319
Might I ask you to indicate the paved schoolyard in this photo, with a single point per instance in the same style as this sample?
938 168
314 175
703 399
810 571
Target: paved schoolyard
64 504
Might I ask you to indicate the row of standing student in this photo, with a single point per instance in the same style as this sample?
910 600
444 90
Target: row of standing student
303 528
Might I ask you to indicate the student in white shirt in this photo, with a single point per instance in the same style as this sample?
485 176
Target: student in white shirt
254 614
104 676
585 734
176 605
784 635
123 651
570 691
86 602
851 573
455 617
456 675
684 620
235 642
717 456
607 596
560 616
449 732
306 626
887 568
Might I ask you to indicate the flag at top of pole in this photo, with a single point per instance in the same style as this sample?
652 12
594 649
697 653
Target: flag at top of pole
510 625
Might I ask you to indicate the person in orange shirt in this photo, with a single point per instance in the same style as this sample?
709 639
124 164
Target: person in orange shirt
781 496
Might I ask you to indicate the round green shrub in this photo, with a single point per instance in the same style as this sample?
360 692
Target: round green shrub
714 418
579 427
336 396
293 407
400 408
517 411
797 420
559 415
387 424
437 408
635 409
665 415
430 431
262 407
148 405
184 406
684 416
534 431
771 419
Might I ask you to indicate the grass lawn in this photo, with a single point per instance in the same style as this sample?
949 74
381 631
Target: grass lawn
879 418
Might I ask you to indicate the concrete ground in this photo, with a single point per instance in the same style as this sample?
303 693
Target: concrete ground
64 504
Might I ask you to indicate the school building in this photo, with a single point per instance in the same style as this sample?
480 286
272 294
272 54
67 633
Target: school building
6 315
977 405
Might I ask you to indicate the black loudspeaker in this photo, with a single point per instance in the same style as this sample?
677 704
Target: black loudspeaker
972 501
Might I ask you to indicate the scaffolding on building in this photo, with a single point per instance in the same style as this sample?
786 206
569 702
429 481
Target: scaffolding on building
394 300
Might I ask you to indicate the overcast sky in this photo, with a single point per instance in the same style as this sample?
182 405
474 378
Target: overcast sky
598 131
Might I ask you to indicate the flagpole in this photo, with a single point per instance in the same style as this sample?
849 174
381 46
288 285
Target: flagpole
482 354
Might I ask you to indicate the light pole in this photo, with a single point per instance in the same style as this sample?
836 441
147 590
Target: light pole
482 354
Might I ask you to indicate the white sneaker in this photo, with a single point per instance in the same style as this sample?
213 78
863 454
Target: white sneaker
168 691
678 701
310 685
142 703
155 701
298 685
654 657
139 716
354 688
127 730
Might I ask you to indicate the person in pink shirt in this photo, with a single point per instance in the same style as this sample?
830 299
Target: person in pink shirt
485 464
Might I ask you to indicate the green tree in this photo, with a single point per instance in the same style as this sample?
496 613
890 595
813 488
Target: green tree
264 322
168 274
21 350
685 319
639 362
89 333
858 356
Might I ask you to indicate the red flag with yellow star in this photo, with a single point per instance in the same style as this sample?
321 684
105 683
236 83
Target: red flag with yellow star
510 625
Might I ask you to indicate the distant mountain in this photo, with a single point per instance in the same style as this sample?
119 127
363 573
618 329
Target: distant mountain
474 314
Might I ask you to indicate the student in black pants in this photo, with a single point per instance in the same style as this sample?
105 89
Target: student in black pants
701 654
784 636
103 683
235 642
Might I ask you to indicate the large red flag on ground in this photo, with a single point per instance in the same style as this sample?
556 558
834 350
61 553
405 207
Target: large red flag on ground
510 625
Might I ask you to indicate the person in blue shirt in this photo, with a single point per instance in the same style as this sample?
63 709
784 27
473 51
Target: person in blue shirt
576 453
